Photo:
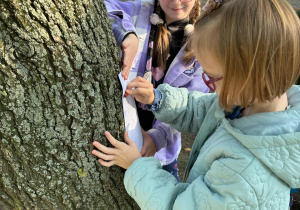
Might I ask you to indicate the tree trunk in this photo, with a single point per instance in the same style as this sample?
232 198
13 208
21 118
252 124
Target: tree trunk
59 91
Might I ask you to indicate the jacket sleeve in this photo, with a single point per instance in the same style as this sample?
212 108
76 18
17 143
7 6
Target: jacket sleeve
155 188
120 15
183 110
163 135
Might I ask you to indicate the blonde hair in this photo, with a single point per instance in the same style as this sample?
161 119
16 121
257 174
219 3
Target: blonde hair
163 37
258 44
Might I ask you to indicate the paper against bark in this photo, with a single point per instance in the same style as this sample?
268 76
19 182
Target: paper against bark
132 123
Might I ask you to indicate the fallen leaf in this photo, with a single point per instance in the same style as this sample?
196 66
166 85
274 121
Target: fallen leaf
187 149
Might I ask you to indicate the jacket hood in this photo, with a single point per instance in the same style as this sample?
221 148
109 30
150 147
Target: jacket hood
275 140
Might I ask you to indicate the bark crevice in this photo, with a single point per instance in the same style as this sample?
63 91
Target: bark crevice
59 91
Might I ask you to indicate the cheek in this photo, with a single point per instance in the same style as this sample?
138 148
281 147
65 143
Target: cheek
190 7
163 5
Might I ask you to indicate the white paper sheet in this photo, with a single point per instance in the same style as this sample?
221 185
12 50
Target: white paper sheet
132 123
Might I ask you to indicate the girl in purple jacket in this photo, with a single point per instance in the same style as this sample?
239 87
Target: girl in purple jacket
152 36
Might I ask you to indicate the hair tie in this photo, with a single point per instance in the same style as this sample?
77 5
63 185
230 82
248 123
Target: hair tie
155 19
188 29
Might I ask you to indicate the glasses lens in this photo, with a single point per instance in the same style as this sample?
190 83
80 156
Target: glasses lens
211 86
205 77
207 81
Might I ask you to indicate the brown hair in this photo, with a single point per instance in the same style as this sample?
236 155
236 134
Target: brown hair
163 37
258 44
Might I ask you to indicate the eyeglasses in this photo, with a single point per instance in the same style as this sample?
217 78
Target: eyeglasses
209 81
182 1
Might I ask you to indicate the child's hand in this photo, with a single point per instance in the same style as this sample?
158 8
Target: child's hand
149 148
129 48
122 155
142 90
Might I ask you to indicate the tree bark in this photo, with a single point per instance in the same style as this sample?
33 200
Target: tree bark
59 91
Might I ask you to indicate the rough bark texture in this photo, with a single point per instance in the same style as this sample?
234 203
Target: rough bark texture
58 92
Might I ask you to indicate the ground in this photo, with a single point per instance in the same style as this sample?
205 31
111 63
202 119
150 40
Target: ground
187 142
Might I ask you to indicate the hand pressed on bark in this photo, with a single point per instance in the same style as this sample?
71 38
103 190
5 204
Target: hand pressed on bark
123 154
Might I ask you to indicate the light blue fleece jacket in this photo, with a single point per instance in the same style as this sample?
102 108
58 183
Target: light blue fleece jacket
246 163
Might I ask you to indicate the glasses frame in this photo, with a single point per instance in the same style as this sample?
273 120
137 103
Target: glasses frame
210 82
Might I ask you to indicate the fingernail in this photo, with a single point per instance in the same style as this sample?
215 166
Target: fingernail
125 94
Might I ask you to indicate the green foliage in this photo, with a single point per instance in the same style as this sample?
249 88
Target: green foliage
298 12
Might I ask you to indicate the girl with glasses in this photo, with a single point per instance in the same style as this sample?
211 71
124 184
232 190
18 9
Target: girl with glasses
246 154
152 35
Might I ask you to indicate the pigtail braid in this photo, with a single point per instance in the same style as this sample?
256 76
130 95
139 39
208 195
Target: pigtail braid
162 42
210 6
193 17
195 13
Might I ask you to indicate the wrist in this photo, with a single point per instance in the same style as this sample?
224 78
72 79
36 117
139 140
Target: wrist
156 101
128 34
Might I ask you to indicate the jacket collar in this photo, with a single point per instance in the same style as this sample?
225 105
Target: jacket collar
177 68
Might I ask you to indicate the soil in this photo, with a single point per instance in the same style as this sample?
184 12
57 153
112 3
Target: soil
186 145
